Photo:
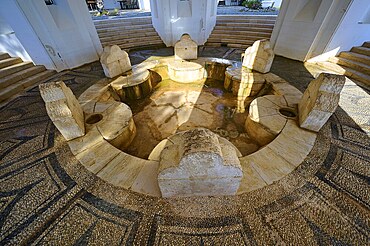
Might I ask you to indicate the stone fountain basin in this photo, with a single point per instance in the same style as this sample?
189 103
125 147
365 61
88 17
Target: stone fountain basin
287 150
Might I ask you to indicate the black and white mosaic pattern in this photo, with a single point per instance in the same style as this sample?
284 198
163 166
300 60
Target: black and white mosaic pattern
47 197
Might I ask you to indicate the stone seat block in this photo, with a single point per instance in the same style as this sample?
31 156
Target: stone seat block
320 100
199 163
185 72
63 109
134 86
186 48
259 56
114 61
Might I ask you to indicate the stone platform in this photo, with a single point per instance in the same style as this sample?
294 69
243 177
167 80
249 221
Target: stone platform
48 197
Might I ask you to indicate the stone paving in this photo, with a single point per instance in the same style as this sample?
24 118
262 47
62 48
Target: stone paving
47 197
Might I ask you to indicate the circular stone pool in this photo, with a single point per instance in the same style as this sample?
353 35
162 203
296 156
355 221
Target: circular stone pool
174 107
140 115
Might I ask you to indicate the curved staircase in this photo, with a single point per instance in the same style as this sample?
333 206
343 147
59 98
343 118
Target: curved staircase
128 33
17 75
240 31
355 63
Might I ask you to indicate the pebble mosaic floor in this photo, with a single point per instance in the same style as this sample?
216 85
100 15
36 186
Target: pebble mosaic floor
48 198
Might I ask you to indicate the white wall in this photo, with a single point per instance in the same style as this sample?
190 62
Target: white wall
144 5
309 35
9 42
349 32
304 28
66 31
24 41
297 26
172 18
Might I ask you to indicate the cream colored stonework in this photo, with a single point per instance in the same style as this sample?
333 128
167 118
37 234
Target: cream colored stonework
259 56
264 122
186 48
185 72
320 101
114 61
199 163
63 109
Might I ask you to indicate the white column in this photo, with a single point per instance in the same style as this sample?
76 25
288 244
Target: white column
173 18
60 36
304 27
22 41
144 5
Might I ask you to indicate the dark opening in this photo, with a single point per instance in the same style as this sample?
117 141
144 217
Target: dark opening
288 112
95 118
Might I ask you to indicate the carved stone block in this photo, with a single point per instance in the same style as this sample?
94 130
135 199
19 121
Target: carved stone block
259 56
320 101
199 163
186 48
114 61
63 109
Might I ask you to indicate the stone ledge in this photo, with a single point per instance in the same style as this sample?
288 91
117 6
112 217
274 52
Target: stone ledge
264 122
115 166
140 175
277 159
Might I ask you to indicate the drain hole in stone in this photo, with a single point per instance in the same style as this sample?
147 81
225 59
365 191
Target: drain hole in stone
95 118
287 112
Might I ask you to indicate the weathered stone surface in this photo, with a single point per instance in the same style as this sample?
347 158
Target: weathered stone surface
264 121
259 56
199 164
133 86
186 48
115 124
320 101
243 83
185 72
216 70
114 61
63 109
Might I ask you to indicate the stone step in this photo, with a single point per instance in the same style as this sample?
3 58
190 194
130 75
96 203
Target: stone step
23 74
238 34
133 20
366 44
242 29
255 25
4 56
124 20
124 32
355 57
134 40
14 68
364 78
246 21
353 74
253 36
119 24
242 17
358 66
139 43
361 50
23 84
10 61
121 28
145 45
134 35
232 41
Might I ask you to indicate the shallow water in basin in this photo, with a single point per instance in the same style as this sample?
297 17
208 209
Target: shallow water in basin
173 107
